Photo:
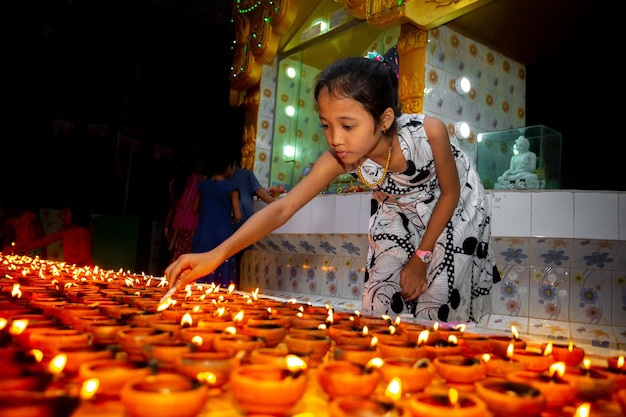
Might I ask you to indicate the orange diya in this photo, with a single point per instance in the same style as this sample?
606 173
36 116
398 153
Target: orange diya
414 375
590 383
450 404
496 366
501 343
442 347
536 361
508 398
341 378
269 389
570 354
555 389
459 369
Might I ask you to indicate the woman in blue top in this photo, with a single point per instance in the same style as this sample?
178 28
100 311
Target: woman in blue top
217 205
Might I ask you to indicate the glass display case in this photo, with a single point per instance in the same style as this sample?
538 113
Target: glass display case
520 159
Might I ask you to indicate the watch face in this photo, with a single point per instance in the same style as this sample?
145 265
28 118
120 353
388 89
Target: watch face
426 257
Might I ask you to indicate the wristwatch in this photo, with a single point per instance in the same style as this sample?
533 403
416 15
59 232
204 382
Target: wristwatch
425 255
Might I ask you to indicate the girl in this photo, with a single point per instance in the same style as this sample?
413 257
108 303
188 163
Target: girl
429 230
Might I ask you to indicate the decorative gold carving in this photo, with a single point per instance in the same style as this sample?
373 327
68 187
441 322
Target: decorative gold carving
412 54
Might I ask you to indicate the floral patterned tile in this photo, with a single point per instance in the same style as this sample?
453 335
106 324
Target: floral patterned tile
597 335
549 293
510 295
551 252
590 296
594 254
618 301
504 323
551 329
511 250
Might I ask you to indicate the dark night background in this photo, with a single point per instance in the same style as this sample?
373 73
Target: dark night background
162 67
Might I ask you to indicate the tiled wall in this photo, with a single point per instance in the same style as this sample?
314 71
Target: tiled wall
562 255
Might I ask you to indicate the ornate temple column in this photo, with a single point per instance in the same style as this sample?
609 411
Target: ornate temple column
412 56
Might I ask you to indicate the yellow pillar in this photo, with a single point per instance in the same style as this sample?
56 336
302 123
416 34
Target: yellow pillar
412 57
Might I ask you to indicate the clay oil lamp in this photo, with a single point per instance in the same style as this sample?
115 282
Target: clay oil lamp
498 367
590 383
449 404
341 378
220 320
570 354
352 336
444 332
441 347
475 344
555 389
272 332
358 354
414 375
51 340
533 360
273 356
173 327
67 313
404 348
82 323
616 369
163 353
218 364
106 333
390 333
507 398
269 389
79 355
460 369
112 374
501 343
163 395
320 330
412 331
201 340
383 321
311 345
231 342
132 341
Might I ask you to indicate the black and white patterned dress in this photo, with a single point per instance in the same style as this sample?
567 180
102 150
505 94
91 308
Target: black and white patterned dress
463 269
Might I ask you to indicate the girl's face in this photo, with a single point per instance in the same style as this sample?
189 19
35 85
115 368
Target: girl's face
349 129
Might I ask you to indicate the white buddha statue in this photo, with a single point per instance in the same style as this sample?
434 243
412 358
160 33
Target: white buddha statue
521 173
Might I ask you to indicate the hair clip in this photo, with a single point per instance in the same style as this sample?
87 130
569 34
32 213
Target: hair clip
374 55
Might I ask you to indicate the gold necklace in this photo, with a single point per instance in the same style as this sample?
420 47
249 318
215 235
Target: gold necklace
382 178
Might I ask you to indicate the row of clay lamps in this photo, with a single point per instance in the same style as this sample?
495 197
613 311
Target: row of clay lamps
114 327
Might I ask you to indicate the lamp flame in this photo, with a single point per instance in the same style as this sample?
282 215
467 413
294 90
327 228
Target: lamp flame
583 410
453 397
422 339
89 388
394 389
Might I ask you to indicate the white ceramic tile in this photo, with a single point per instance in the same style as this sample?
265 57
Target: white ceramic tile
552 214
300 222
322 211
622 216
347 213
511 213
596 215
365 211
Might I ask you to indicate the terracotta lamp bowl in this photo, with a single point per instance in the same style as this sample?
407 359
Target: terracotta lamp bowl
415 375
340 378
510 398
112 373
220 364
267 389
163 395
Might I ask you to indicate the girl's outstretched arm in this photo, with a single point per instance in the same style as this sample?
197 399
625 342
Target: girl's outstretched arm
189 267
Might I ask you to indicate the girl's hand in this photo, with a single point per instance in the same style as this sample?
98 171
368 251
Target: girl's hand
189 267
413 278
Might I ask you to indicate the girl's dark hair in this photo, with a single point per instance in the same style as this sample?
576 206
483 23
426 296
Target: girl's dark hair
371 83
